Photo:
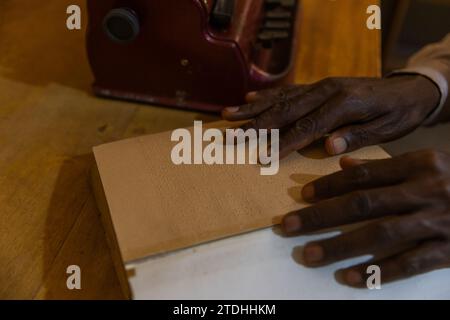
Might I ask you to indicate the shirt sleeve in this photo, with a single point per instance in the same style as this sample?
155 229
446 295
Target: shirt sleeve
433 62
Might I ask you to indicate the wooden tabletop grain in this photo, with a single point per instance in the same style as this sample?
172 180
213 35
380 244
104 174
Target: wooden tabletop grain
49 123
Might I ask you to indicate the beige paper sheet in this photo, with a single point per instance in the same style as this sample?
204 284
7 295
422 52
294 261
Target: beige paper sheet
156 206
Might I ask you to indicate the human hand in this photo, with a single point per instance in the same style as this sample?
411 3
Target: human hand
412 195
355 112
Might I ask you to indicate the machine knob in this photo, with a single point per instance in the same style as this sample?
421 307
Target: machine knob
121 25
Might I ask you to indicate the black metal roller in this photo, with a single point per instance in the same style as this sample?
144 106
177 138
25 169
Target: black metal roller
121 25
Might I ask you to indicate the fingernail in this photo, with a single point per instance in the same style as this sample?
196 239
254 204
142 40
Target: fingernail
308 192
313 253
232 109
251 95
339 145
292 224
353 277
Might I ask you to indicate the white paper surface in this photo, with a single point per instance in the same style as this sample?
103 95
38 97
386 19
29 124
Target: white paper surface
259 265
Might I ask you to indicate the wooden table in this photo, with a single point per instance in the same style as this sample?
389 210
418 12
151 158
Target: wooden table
48 217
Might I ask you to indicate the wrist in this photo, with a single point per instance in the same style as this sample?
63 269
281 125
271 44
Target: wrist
425 92
429 90
427 77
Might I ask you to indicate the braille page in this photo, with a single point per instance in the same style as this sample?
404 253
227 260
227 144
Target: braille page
157 206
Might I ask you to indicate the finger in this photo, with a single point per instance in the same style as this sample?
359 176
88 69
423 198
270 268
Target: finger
288 110
372 174
374 238
314 126
356 207
251 110
429 256
288 90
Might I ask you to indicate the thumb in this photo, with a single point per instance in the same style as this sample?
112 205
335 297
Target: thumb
352 138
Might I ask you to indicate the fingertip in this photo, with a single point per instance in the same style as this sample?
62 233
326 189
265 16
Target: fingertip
345 162
313 253
353 278
232 110
291 223
308 192
251 96
349 162
229 112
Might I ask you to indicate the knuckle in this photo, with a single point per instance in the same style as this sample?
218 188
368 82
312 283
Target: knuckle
306 125
250 108
338 247
385 232
357 175
284 92
283 106
324 187
360 202
359 137
313 218
410 266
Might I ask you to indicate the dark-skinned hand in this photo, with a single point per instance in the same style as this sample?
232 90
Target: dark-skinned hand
407 201
354 112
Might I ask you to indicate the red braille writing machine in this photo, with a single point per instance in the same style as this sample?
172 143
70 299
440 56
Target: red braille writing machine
195 54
